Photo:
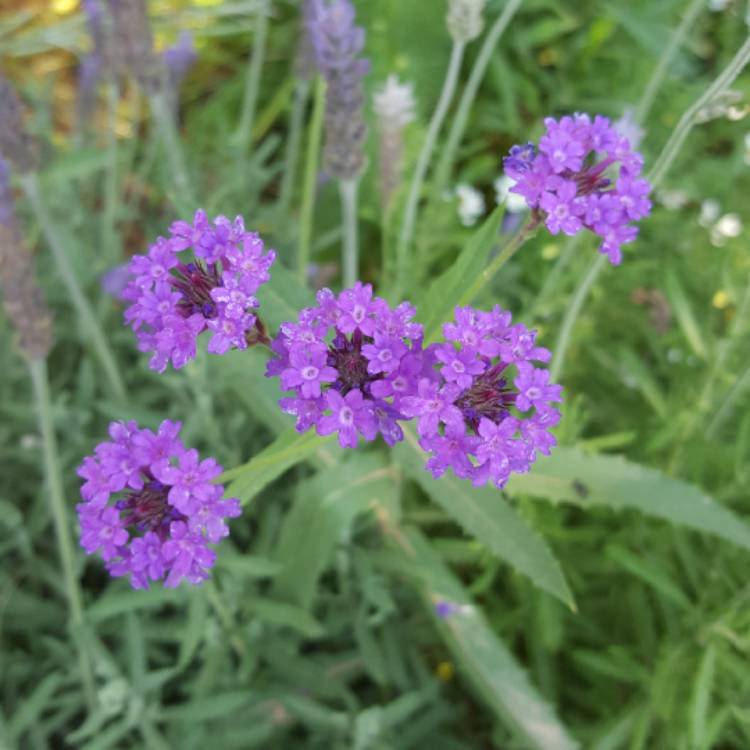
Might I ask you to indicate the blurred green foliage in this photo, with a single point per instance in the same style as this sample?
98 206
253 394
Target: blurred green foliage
318 629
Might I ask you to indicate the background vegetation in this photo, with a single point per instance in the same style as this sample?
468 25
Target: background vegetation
615 616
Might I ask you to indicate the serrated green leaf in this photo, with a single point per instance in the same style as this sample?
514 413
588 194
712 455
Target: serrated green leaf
325 508
572 476
484 514
482 656
459 284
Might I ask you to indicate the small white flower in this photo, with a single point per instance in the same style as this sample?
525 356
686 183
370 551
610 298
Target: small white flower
515 203
673 199
729 225
717 5
710 210
394 103
470 204
628 128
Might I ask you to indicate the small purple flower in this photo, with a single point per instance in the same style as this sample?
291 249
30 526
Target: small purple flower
491 415
574 183
349 361
175 299
150 507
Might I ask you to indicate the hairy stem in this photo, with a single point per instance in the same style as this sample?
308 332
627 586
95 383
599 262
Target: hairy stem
350 249
252 80
291 157
312 158
56 497
420 171
81 305
458 125
164 118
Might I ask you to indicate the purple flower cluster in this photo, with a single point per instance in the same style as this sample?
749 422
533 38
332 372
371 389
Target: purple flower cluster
350 361
483 409
573 181
150 507
174 299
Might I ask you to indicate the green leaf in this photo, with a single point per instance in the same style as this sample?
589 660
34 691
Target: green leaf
286 615
282 297
701 700
569 475
482 656
289 449
32 707
680 303
484 514
459 284
324 510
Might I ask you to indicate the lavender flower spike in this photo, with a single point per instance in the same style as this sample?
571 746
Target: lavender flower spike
349 362
337 42
394 106
464 19
178 59
484 410
174 299
134 42
22 297
16 145
150 507
571 180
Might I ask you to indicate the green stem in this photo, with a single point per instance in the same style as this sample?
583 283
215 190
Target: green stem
552 279
688 119
458 125
727 405
311 174
655 176
571 315
109 216
38 370
420 171
164 118
294 139
78 299
350 250
508 251
649 93
252 79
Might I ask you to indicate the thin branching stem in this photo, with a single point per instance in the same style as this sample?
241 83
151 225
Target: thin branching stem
312 159
423 162
469 93
57 506
662 165
83 309
244 132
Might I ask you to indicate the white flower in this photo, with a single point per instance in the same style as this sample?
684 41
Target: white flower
514 202
394 103
470 204
628 128
710 210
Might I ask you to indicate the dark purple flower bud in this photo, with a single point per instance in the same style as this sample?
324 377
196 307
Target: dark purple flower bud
337 42
16 145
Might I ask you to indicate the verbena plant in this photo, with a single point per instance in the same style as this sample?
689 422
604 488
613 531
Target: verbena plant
394 435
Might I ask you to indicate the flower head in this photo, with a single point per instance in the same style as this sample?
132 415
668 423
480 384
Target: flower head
573 180
349 361
174 299
150 507
482 408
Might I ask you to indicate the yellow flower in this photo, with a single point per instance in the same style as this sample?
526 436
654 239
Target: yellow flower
721 300
445 671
